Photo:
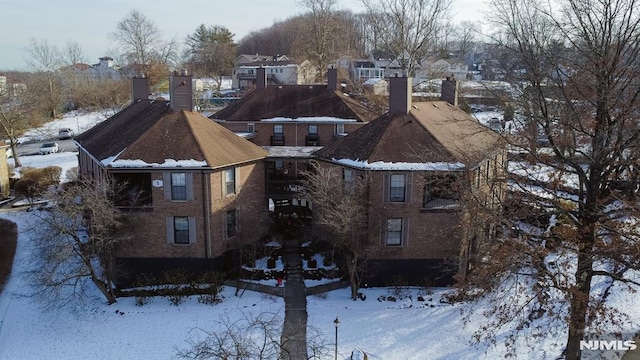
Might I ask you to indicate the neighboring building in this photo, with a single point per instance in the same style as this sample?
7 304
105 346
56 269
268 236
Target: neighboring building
417 158
291 122
440 68
376 87
105 69
4 172
11 87
280 70
195 190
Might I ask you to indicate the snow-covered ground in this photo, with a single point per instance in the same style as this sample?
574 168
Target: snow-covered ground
420 327
79 121
407 328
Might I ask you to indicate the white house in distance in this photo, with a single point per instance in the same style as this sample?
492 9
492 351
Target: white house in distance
441 68
105 69
279 68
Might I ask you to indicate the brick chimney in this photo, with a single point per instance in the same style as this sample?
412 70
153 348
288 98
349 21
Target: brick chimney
332 79
450 91
139 88
261 78
400 93
180 91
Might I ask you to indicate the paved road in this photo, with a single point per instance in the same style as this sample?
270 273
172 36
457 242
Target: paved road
33 147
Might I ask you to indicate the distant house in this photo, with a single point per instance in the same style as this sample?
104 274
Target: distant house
376 87
11 86
291 122
105 69
4 172
280 70
417 158
194 188
441 68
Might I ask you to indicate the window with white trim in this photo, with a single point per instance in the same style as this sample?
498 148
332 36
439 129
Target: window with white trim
180 230
179 186
340 129
397 188
230 181
394 232
251 128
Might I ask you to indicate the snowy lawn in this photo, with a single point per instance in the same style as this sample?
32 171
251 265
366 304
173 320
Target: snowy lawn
407 328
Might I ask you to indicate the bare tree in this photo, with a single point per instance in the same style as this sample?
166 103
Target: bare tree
76 242
340 209
251 337
15 114
142 43
46 85
407 27
322 32
72 53
573 65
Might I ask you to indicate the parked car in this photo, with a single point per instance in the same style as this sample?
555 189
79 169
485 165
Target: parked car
65 134
48 148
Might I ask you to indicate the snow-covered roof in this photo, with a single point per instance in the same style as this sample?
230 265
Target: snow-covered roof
168 163
314 119
291 151
373 81
381 165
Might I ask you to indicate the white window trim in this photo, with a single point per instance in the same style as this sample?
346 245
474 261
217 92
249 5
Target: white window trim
171 230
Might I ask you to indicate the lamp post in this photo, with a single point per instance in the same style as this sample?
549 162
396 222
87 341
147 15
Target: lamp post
336 322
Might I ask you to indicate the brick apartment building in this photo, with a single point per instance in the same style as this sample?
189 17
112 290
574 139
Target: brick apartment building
197 188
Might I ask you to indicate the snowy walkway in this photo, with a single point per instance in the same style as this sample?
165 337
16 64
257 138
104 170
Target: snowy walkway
294 331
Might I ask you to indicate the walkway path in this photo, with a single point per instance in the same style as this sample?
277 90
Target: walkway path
294 332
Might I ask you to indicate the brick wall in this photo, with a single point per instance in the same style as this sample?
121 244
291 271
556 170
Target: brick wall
208 207
294 132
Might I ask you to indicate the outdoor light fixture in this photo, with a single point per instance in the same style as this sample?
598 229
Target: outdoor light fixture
336 322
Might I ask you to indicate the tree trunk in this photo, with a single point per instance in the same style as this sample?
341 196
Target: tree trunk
16 157
579 303
353 275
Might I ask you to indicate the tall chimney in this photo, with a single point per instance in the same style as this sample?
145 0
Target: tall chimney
180 91
139 88
261 78
450 91
400 93
332 79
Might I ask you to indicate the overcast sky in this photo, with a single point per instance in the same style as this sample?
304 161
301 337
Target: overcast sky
89 22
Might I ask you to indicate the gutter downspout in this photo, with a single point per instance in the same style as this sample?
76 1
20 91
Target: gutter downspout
207 217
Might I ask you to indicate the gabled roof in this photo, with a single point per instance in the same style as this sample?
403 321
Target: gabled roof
432 133
110 137
148 133
294 101
187 136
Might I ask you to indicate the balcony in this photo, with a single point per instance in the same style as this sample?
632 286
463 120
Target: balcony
277 139
312 140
